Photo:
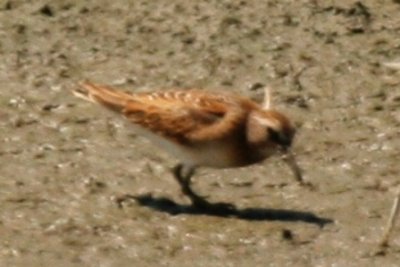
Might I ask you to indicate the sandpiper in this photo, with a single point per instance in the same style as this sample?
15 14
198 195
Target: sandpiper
202 128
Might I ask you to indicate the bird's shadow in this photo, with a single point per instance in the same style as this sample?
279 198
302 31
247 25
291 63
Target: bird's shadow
222 210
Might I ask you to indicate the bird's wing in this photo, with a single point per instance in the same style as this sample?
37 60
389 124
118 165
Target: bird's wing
184 116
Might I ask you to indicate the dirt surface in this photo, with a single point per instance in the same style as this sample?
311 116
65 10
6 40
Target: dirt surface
65 164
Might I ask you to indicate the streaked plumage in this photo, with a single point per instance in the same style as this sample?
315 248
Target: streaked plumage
201 128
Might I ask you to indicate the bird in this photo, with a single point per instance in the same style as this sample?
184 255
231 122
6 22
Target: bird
202 128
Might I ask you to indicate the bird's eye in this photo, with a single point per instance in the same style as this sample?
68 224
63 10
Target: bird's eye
273 135
279 138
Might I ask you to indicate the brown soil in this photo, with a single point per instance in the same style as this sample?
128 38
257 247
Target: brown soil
65 164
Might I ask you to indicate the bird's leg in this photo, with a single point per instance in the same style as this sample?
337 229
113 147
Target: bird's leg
183 174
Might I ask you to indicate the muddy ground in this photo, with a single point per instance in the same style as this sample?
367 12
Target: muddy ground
65 163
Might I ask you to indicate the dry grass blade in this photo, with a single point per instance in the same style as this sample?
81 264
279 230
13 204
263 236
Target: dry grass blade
392 220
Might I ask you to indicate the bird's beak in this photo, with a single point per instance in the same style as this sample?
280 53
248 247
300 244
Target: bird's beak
290 159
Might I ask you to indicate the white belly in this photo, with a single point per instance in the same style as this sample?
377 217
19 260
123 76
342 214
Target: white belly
212 154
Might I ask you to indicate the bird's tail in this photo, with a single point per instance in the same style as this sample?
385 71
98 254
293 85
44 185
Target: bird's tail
104 95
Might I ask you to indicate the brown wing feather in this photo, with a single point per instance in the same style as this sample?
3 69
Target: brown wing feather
184 116
107 96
